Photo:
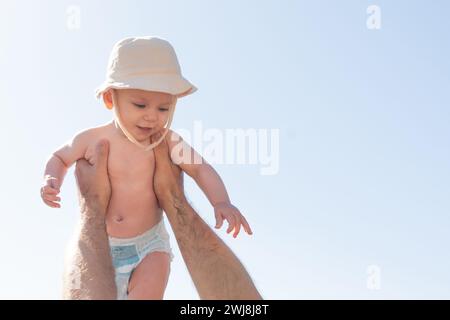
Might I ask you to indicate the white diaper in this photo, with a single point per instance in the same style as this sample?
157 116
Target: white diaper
127 253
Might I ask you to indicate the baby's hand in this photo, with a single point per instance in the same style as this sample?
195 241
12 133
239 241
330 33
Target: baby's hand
49 192
235 218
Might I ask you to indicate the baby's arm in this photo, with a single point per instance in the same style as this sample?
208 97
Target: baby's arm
209 182
58 164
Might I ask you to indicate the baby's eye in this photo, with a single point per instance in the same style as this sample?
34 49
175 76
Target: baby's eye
142 106
163 109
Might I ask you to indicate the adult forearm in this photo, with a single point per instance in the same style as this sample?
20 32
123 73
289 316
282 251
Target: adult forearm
216 272
89 272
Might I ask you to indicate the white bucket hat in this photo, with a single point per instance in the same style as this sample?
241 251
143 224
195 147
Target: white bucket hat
147 63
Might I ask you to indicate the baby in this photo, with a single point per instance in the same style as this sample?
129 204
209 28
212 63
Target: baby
143 84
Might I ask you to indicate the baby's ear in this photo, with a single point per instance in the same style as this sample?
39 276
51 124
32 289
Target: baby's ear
107 99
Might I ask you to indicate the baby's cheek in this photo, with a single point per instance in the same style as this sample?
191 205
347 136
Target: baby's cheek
163 120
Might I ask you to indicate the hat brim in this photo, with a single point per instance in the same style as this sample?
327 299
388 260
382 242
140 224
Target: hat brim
168 83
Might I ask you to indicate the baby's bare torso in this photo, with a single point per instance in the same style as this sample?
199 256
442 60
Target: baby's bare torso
133 207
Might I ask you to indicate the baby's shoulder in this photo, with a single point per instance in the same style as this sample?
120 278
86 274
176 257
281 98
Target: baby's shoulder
93 135
89 135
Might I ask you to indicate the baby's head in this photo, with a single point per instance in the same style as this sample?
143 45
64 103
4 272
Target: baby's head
140 112
143 83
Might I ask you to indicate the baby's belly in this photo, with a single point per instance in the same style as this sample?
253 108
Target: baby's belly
133 209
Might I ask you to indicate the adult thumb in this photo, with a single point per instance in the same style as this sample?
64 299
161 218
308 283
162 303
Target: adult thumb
101 153
161 149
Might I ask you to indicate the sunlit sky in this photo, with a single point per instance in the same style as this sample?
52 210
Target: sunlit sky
364 159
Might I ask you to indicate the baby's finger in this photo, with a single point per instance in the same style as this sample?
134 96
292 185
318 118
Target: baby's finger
246 225
48 189
231 223
238 227
52 204
51 197
219 220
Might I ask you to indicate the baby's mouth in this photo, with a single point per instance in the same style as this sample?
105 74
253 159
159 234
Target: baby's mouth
144 129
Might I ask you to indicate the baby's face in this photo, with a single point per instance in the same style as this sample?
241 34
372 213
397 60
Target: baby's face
143 112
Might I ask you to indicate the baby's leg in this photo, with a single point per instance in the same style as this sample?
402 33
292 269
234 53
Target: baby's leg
149 279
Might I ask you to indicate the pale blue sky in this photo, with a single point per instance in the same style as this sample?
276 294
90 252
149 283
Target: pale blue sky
364 137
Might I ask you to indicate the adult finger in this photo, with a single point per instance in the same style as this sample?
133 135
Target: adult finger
101 154
163 161
163 145
161 151
81 166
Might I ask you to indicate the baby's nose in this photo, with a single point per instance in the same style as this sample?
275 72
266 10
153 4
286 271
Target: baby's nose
150 116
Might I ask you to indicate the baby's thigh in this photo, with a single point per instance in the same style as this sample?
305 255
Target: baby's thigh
149 279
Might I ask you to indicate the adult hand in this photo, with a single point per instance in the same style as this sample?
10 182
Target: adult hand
89 273
93 181
168 179
201 248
